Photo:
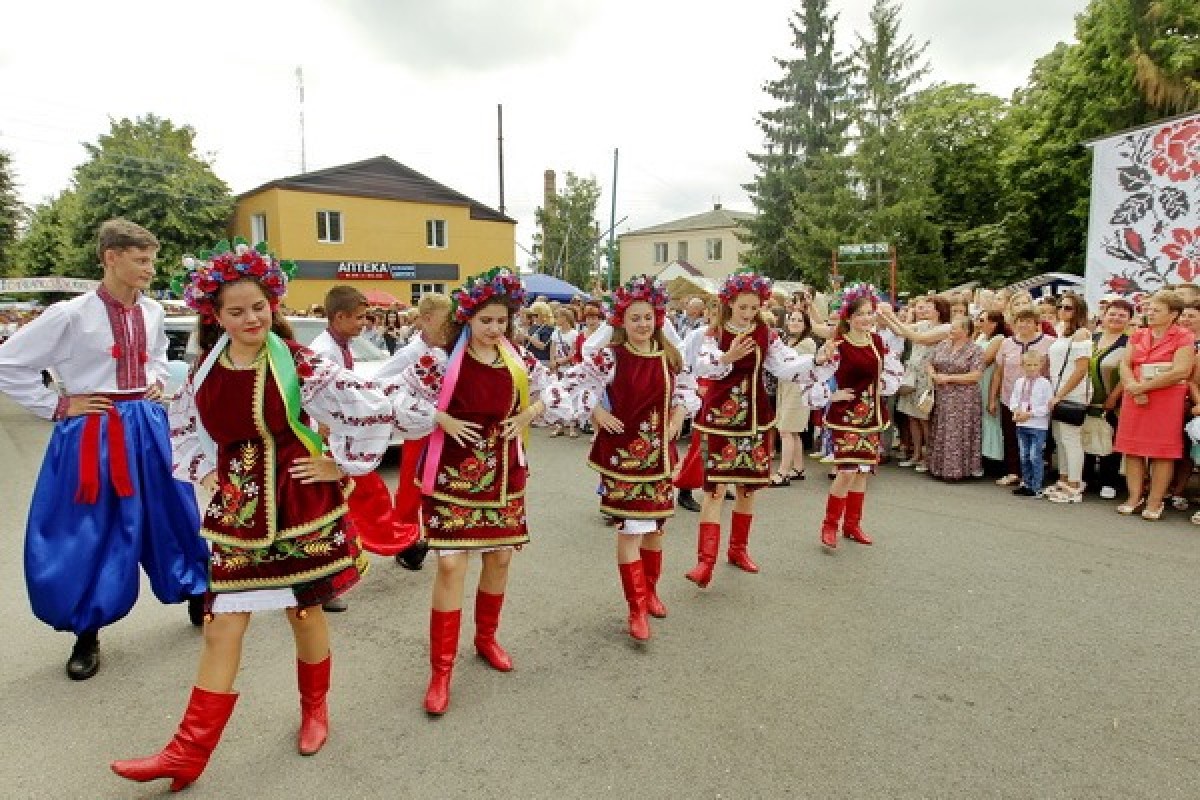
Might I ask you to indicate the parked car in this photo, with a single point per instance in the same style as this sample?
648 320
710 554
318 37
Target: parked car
182 349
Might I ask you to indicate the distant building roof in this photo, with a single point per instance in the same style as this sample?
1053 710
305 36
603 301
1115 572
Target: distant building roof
383 178
676 268
718 217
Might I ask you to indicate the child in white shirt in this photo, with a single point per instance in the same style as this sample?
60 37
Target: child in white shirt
1030 404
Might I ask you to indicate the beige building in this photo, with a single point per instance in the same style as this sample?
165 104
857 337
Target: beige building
707 243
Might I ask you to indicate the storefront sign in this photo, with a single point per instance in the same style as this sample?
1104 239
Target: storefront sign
375 271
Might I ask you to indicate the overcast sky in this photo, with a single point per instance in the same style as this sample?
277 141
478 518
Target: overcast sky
675 84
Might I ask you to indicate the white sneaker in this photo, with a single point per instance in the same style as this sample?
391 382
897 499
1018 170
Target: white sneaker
1108 492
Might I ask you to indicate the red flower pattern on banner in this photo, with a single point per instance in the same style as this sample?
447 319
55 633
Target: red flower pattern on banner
1184 252
1177 151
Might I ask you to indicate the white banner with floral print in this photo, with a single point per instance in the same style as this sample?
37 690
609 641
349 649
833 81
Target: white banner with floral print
1144 225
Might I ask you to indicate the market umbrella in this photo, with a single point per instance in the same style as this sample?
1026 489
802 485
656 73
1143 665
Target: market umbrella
378 297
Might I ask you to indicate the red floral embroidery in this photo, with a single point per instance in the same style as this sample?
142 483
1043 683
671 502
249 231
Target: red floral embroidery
1177 151
729 452
1184 252
471 469
639 448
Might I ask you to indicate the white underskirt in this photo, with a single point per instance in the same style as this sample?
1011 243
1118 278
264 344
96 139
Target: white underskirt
638 527
475 550
254 600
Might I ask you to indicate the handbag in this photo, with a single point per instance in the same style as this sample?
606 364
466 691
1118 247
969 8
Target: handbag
1068 412
925 401
1097 435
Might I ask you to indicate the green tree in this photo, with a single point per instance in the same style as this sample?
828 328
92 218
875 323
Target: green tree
44 247
10 216
148 171
567 244
1135 61
804 134
894 174
963 131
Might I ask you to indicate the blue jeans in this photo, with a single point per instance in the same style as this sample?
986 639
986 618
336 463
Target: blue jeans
1032 443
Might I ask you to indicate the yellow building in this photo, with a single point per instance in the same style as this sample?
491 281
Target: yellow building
377 224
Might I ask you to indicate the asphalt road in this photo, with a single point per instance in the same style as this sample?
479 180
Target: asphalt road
986 647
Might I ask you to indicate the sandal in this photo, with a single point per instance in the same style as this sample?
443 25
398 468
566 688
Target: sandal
796 475
1153 515
1178 503
1008 480
1196 518
1128 508
779 479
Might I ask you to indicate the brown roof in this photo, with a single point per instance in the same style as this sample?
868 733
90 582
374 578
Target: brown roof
717 218
384 178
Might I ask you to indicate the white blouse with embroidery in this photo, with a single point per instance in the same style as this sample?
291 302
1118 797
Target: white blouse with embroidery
780 360
356 412
889 380
75 340
588 383
414 392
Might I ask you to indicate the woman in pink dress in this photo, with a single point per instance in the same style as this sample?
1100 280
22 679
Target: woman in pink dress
1154 375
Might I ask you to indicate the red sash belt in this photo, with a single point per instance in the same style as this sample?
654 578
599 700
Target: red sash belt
89 455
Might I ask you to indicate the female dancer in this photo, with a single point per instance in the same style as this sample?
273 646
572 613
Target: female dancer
477 402
866 371
647 403
735 416
238 428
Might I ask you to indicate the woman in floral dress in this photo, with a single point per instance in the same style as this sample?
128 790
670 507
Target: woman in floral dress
477 403
736 416
865 372
240 427
638 374
955 369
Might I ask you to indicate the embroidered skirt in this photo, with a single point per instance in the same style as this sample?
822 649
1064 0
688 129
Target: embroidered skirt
741 460
452 526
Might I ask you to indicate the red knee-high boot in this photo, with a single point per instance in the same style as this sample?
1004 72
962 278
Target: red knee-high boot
834 507
739 538
443 647
852 524
487 620
708 542
313 680
652 566
187 754
633 581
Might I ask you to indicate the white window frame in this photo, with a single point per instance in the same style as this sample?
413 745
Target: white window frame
419 290
681 250
330 215
715 249
258 228
432 228
661 252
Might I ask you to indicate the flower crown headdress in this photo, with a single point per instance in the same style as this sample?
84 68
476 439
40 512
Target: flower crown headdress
207 271
745 281
496 283
852 294
639 289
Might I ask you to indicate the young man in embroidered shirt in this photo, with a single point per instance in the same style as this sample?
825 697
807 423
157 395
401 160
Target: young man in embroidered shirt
346 309
105 500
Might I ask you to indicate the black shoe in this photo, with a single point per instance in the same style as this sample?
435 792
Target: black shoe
1024 491
413 556
336 605
195 605
85 658
686 501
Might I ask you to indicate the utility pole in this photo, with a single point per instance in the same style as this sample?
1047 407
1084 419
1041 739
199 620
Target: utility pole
500 149
612 225
300 89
